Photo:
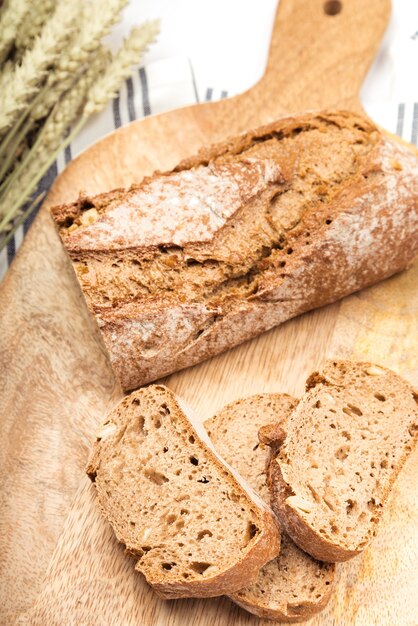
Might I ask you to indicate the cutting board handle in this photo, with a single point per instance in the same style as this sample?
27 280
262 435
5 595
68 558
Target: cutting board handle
330 43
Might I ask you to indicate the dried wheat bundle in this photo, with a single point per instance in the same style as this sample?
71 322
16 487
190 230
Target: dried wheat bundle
57 72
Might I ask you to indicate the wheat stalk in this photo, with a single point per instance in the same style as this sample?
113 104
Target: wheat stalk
95 22
57 84
130 53
27 78
10 19
82 77
98 19
30 170
72 103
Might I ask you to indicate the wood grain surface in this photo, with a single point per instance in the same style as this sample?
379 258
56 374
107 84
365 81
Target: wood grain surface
56 553
93 579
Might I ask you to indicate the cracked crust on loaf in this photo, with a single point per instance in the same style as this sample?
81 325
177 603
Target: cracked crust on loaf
244 236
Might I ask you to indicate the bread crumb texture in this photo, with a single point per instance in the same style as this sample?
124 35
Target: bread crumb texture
169 499
346 442
294 586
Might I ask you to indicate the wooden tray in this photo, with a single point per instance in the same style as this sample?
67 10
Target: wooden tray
60 564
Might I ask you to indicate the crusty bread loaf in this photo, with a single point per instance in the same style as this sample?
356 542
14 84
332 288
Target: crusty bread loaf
346 442
240 238
294 586
193 526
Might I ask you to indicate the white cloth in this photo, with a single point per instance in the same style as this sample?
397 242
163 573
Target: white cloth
185 66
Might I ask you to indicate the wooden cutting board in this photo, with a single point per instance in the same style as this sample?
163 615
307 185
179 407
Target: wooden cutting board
59 562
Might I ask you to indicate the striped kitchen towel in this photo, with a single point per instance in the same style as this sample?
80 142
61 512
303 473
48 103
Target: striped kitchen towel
161 86
170 84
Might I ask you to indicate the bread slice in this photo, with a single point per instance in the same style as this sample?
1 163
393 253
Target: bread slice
191 523
346 442
294 586
242 237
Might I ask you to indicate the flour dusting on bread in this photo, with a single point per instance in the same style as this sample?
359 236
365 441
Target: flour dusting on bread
192 206
243 236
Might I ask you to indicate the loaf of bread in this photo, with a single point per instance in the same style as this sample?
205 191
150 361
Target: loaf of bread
240 238
293 587
194 527
345 443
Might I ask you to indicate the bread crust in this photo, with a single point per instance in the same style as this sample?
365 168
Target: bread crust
300 612
374 211
243 572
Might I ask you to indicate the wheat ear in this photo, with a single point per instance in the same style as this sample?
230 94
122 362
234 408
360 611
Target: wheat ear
27 78
96 20
39 13
120 68
27 174
11 18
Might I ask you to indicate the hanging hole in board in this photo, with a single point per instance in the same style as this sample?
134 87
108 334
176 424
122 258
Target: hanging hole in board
333 7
